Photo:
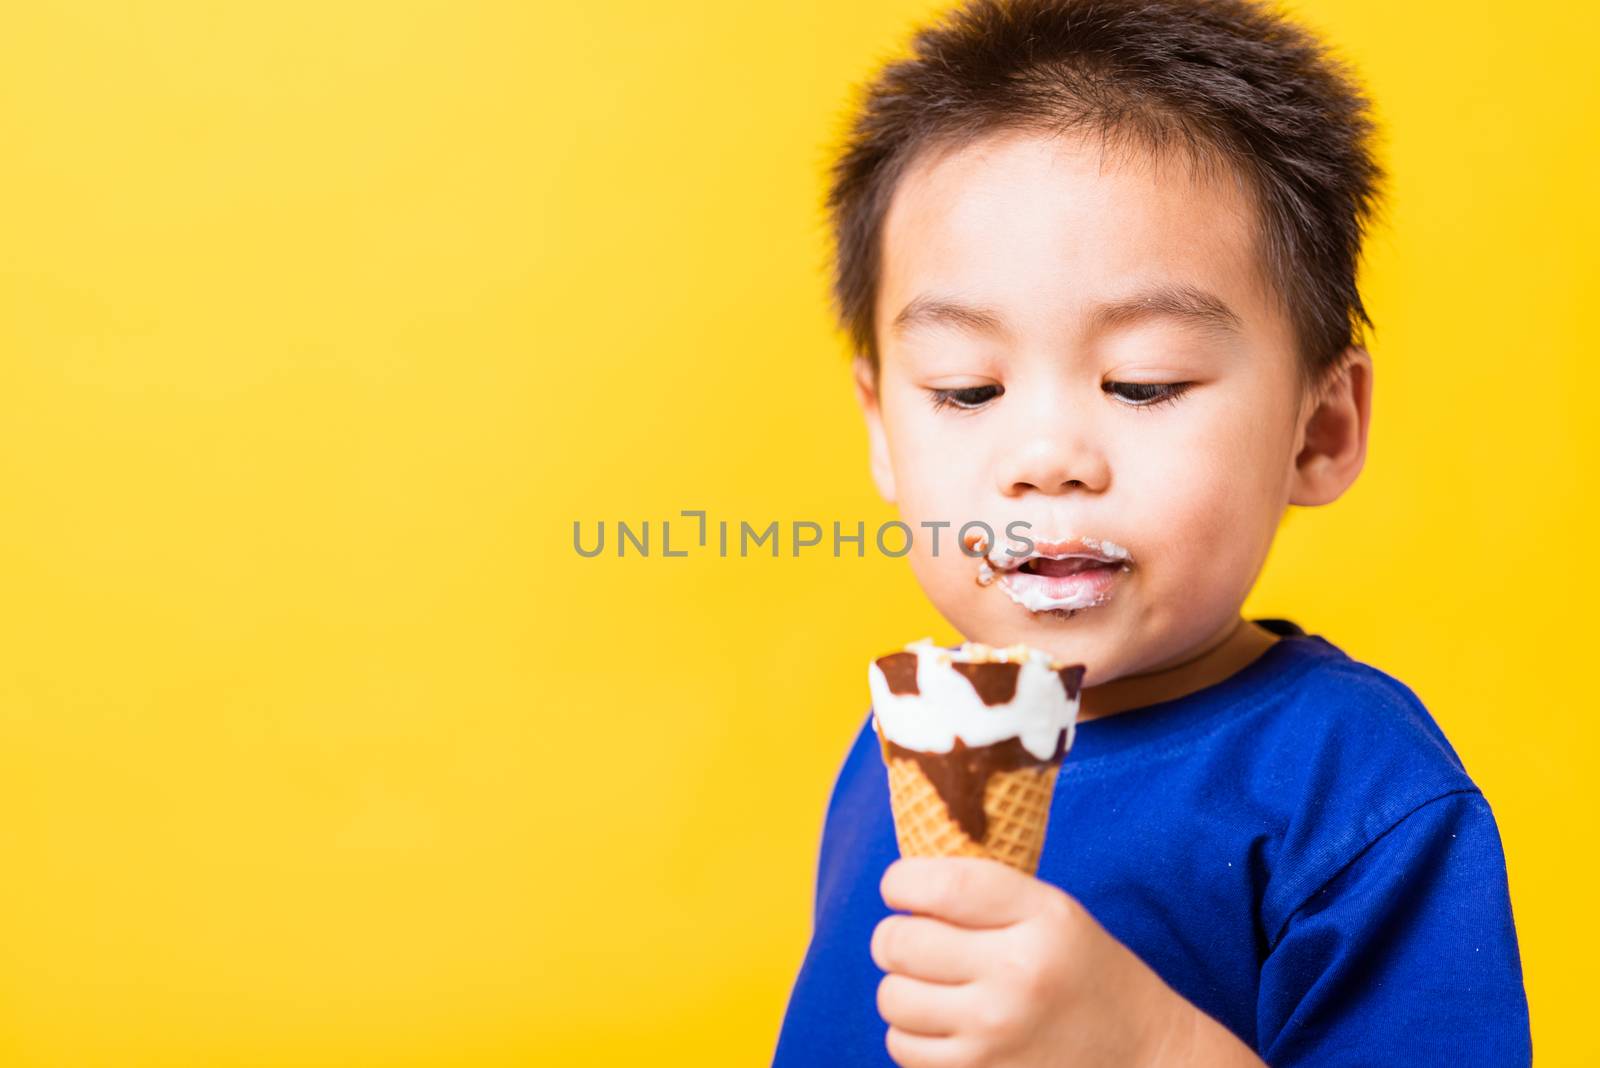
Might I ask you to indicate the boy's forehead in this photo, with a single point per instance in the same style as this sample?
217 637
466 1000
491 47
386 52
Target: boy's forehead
1040 226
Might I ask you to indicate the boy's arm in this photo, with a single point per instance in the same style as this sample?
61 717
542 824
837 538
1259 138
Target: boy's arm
1407 955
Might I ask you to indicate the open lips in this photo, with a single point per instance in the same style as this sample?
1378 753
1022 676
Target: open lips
1071 565
1064 575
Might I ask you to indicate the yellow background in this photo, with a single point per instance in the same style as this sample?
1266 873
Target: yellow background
320 324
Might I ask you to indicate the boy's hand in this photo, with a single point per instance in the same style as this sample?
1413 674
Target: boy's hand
999 969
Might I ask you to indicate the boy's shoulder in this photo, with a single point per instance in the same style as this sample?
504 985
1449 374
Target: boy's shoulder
1349 753
1339 713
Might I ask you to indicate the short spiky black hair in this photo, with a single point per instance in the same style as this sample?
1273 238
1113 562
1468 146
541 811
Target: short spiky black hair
1229 81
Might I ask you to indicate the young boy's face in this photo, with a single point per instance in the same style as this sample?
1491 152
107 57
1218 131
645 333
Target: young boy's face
1113 368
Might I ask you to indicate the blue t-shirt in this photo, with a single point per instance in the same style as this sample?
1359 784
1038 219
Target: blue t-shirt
1297 850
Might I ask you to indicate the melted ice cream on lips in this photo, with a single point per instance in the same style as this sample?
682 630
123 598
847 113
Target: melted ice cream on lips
977 544
964 714
1064 575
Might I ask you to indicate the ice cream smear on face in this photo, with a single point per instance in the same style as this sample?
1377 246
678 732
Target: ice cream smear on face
961 718
1066 574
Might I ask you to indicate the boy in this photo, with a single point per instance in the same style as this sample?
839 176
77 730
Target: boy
1098 261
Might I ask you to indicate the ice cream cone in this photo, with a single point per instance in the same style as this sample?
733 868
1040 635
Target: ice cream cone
973 740
1016 804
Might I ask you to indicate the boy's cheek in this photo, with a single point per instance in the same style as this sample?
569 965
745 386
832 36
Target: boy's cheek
1191 521
941 485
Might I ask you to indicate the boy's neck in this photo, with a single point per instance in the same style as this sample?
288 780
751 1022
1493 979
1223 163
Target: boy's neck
1232 650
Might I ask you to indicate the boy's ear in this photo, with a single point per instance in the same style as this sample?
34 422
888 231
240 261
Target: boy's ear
1333 435
877 442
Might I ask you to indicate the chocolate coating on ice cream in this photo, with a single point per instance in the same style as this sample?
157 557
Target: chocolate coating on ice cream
995 682
900 671
1072 679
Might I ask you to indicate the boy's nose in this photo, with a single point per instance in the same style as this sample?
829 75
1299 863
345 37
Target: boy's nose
1053 464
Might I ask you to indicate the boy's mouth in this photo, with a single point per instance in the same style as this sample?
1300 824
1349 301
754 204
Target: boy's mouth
1057 576
1071 565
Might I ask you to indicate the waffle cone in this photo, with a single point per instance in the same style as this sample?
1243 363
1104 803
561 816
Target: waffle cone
1017 804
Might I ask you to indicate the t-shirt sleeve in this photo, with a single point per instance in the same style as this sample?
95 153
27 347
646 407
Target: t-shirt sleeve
1406 955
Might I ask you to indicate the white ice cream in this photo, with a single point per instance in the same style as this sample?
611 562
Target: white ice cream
1032 596
948 707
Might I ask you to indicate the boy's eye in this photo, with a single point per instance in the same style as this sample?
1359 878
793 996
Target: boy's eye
966 397
1145 394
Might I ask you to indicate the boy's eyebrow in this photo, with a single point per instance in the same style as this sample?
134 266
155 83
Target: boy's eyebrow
929 311
1183 302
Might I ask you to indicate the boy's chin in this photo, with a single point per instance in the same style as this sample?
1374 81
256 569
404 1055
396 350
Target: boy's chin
1076 635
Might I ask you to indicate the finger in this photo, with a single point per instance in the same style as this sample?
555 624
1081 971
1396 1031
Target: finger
926 1051
925 948
969 891
921 1008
